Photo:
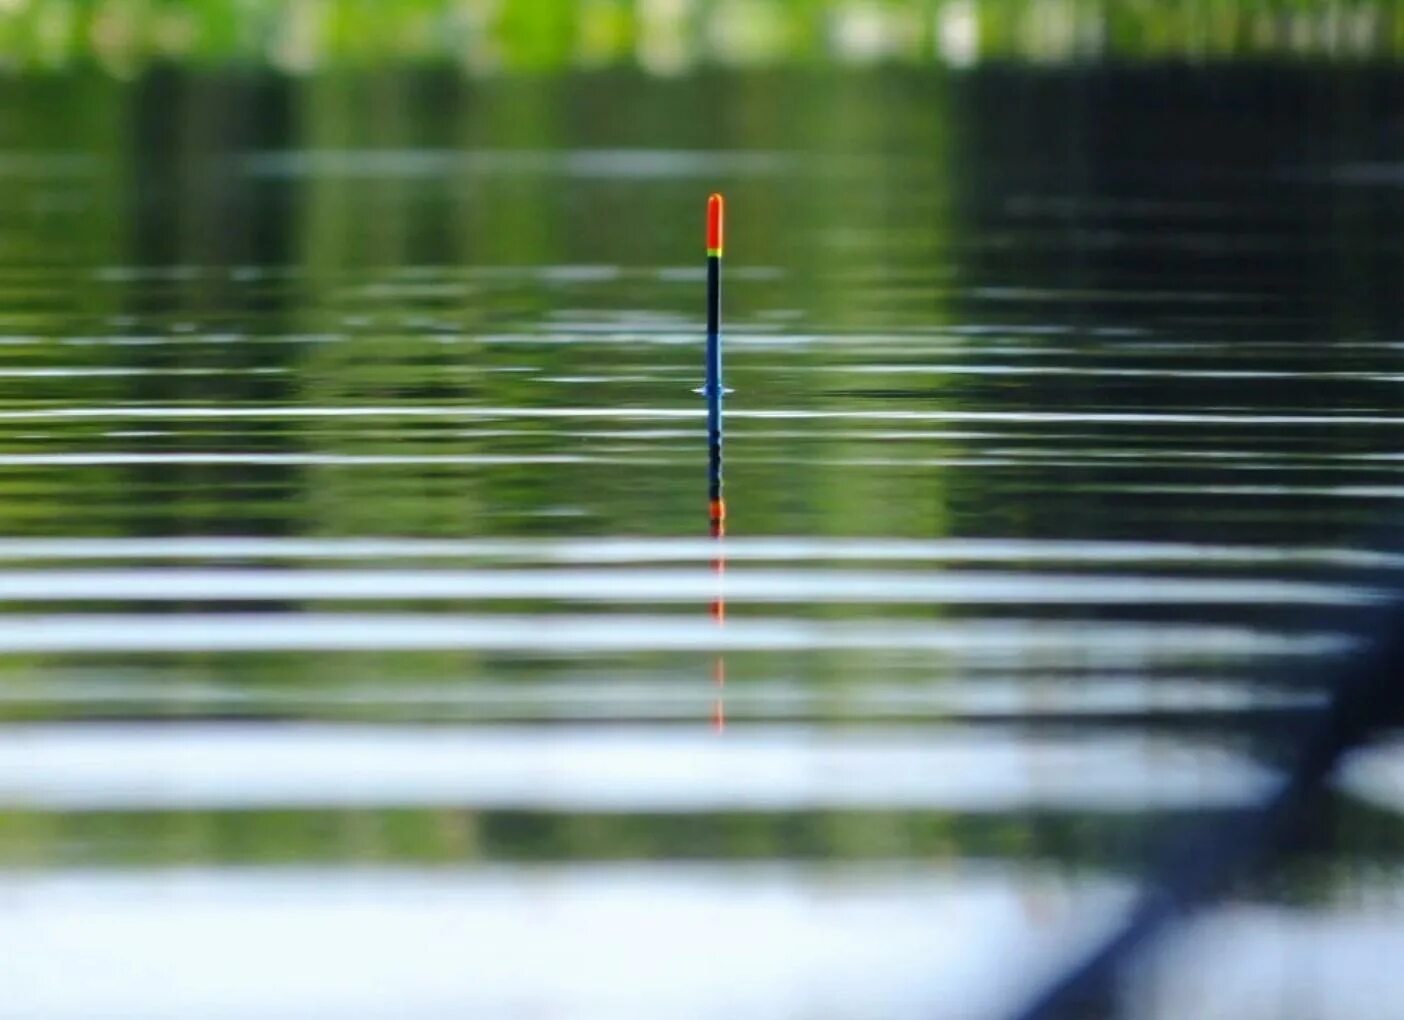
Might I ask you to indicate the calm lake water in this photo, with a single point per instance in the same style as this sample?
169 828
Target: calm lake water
363 650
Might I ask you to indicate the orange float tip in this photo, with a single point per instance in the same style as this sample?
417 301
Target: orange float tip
716 209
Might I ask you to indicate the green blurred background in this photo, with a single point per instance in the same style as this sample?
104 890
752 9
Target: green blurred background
669 36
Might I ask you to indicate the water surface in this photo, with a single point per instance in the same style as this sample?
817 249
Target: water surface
361 646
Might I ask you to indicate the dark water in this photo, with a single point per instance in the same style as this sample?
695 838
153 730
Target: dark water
360 652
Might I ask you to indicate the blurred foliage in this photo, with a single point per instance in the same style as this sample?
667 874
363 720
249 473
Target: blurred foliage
671 36
448 836
452 835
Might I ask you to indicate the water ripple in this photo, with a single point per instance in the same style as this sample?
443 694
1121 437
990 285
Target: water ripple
128 767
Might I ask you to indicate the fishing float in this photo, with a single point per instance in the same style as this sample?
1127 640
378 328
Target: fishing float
713 389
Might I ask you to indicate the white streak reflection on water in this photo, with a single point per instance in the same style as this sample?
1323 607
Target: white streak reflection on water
1092 371
676 585
623 164
1376 774
201 766
1338 961
645 940
469 412
1224 461
306 459
666 550
1055 643
693 941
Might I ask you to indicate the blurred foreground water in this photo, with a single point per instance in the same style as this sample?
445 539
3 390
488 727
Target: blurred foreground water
359 654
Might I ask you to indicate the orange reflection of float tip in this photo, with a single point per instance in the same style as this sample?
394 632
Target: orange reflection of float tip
715 214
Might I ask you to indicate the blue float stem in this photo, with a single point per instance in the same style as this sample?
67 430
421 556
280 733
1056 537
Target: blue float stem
714 386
